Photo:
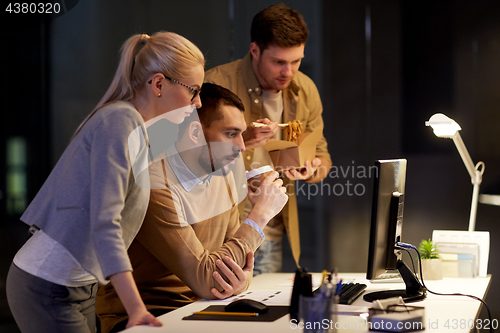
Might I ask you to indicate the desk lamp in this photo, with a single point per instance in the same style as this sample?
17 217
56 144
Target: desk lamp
445 127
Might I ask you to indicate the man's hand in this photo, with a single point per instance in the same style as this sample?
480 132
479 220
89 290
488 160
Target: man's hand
304 173
268 200
238 277
257 136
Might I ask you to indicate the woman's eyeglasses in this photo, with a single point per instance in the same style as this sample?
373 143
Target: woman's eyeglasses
195 92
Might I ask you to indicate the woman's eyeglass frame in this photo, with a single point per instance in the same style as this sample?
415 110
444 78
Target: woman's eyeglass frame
195 92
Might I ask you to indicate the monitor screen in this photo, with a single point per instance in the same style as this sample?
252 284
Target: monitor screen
386 229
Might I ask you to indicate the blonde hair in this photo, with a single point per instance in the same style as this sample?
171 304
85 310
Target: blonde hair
163 52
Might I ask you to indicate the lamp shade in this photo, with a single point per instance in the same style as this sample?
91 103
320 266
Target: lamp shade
443 126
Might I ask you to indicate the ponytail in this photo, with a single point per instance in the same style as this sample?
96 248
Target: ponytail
121 87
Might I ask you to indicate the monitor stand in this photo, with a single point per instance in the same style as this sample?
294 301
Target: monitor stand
414 291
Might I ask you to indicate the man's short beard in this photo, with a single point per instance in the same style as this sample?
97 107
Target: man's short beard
205 160
211 164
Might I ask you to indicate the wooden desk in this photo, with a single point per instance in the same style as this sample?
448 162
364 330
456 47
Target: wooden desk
443 313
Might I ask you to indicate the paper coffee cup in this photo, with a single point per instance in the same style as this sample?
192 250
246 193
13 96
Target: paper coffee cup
256 176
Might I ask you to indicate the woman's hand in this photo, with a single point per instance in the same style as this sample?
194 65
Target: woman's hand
143 317
126 289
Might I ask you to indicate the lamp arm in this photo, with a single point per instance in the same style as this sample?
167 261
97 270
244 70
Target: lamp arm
476 175
462 150
473 207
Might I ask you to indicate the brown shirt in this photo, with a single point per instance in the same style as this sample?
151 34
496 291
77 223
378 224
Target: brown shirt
173 261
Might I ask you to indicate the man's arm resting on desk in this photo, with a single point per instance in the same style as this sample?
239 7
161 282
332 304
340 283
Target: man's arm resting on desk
181 252
239 278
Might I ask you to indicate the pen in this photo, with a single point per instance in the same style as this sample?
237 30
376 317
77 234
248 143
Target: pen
221 313
324 275
339 287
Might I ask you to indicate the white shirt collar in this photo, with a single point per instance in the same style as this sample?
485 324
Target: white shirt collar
186 178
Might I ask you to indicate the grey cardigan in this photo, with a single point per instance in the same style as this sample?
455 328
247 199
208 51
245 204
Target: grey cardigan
90 203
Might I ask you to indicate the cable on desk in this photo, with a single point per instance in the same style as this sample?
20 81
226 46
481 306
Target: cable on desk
405 246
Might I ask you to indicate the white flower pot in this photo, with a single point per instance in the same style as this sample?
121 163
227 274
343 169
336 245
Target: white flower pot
432 269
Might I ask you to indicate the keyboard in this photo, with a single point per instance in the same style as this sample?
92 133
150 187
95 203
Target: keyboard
349 292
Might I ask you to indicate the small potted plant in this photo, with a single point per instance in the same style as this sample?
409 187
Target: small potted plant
431 262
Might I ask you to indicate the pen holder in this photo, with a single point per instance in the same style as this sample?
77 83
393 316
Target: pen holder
302 285
316 314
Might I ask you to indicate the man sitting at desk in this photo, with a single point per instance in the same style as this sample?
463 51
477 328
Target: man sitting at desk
191 230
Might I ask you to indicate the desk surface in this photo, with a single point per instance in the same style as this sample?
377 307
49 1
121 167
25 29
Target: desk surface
442 313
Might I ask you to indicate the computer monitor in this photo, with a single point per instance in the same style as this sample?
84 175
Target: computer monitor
385 231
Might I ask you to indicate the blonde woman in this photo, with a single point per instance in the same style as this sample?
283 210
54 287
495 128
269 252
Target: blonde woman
90 208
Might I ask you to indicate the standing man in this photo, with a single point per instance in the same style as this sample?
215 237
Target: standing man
273 90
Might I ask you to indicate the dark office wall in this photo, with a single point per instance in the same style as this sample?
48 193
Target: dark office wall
24 134
362 113
383 83
477 86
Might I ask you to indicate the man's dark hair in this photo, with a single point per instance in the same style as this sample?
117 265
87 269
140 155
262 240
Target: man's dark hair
212 96
278 25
